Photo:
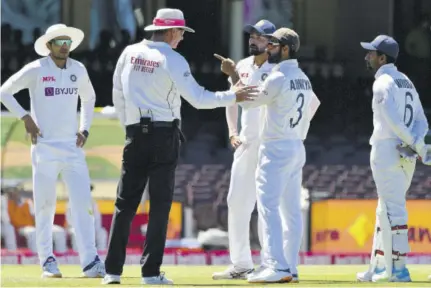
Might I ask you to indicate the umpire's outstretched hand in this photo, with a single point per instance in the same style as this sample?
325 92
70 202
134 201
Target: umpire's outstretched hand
244 93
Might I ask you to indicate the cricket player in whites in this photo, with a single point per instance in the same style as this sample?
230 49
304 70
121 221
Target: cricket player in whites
399 121
55 82
285 98
241 198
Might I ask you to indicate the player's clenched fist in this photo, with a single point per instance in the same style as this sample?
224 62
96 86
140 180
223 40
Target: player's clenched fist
80 139
235 142
227 65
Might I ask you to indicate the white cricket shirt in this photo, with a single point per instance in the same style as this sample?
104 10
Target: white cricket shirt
54 96
397 109
149 79
286 96
250 75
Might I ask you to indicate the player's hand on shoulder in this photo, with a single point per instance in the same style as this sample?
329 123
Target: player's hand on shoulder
227 65
235 142
31 128
245 93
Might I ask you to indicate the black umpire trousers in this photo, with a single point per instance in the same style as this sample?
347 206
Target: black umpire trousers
146 156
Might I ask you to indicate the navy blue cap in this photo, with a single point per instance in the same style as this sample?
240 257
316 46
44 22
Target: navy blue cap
261 27
385 44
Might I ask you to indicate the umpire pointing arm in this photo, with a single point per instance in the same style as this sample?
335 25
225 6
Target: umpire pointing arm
148 81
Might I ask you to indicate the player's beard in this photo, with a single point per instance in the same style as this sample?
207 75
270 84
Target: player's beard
274 58
254 50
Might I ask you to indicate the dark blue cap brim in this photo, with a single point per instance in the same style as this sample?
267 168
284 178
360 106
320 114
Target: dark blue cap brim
368 46
250 29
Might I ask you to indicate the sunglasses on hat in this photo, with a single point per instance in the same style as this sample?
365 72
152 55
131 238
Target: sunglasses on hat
274 42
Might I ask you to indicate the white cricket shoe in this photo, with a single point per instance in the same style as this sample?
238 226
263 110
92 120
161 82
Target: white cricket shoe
111 279
401 275
50 269
295 278
364 276
269 275
368 275
157 280
96 269
232 272
256 271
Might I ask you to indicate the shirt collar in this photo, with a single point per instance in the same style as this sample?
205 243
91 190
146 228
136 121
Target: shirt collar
53 65
156 43
383 69
288 63
266 65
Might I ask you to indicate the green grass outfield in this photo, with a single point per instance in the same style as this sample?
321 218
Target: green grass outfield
103 131
200 276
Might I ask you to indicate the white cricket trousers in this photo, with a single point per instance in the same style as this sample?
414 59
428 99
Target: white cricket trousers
393 176
278 178
241 200
49 160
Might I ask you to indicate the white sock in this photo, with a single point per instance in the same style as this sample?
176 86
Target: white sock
400 263
380 262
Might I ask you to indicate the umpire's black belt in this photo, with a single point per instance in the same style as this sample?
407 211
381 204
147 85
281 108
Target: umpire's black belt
176 124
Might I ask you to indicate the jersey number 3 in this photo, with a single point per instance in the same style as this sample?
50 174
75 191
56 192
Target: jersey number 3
408 110
298 99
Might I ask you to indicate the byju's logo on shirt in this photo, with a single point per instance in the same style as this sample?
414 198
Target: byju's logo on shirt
51 91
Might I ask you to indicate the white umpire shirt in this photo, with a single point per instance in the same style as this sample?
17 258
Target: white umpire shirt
149 79
397 109
54 96
288 103
249 75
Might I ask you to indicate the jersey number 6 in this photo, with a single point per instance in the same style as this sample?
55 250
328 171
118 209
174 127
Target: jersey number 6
299 98
408 107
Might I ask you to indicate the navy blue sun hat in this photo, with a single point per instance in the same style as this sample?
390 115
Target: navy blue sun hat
261 27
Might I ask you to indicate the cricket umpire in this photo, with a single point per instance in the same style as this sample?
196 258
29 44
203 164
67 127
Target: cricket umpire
148 80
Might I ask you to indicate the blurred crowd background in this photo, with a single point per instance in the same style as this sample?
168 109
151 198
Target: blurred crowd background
330 54
330 32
